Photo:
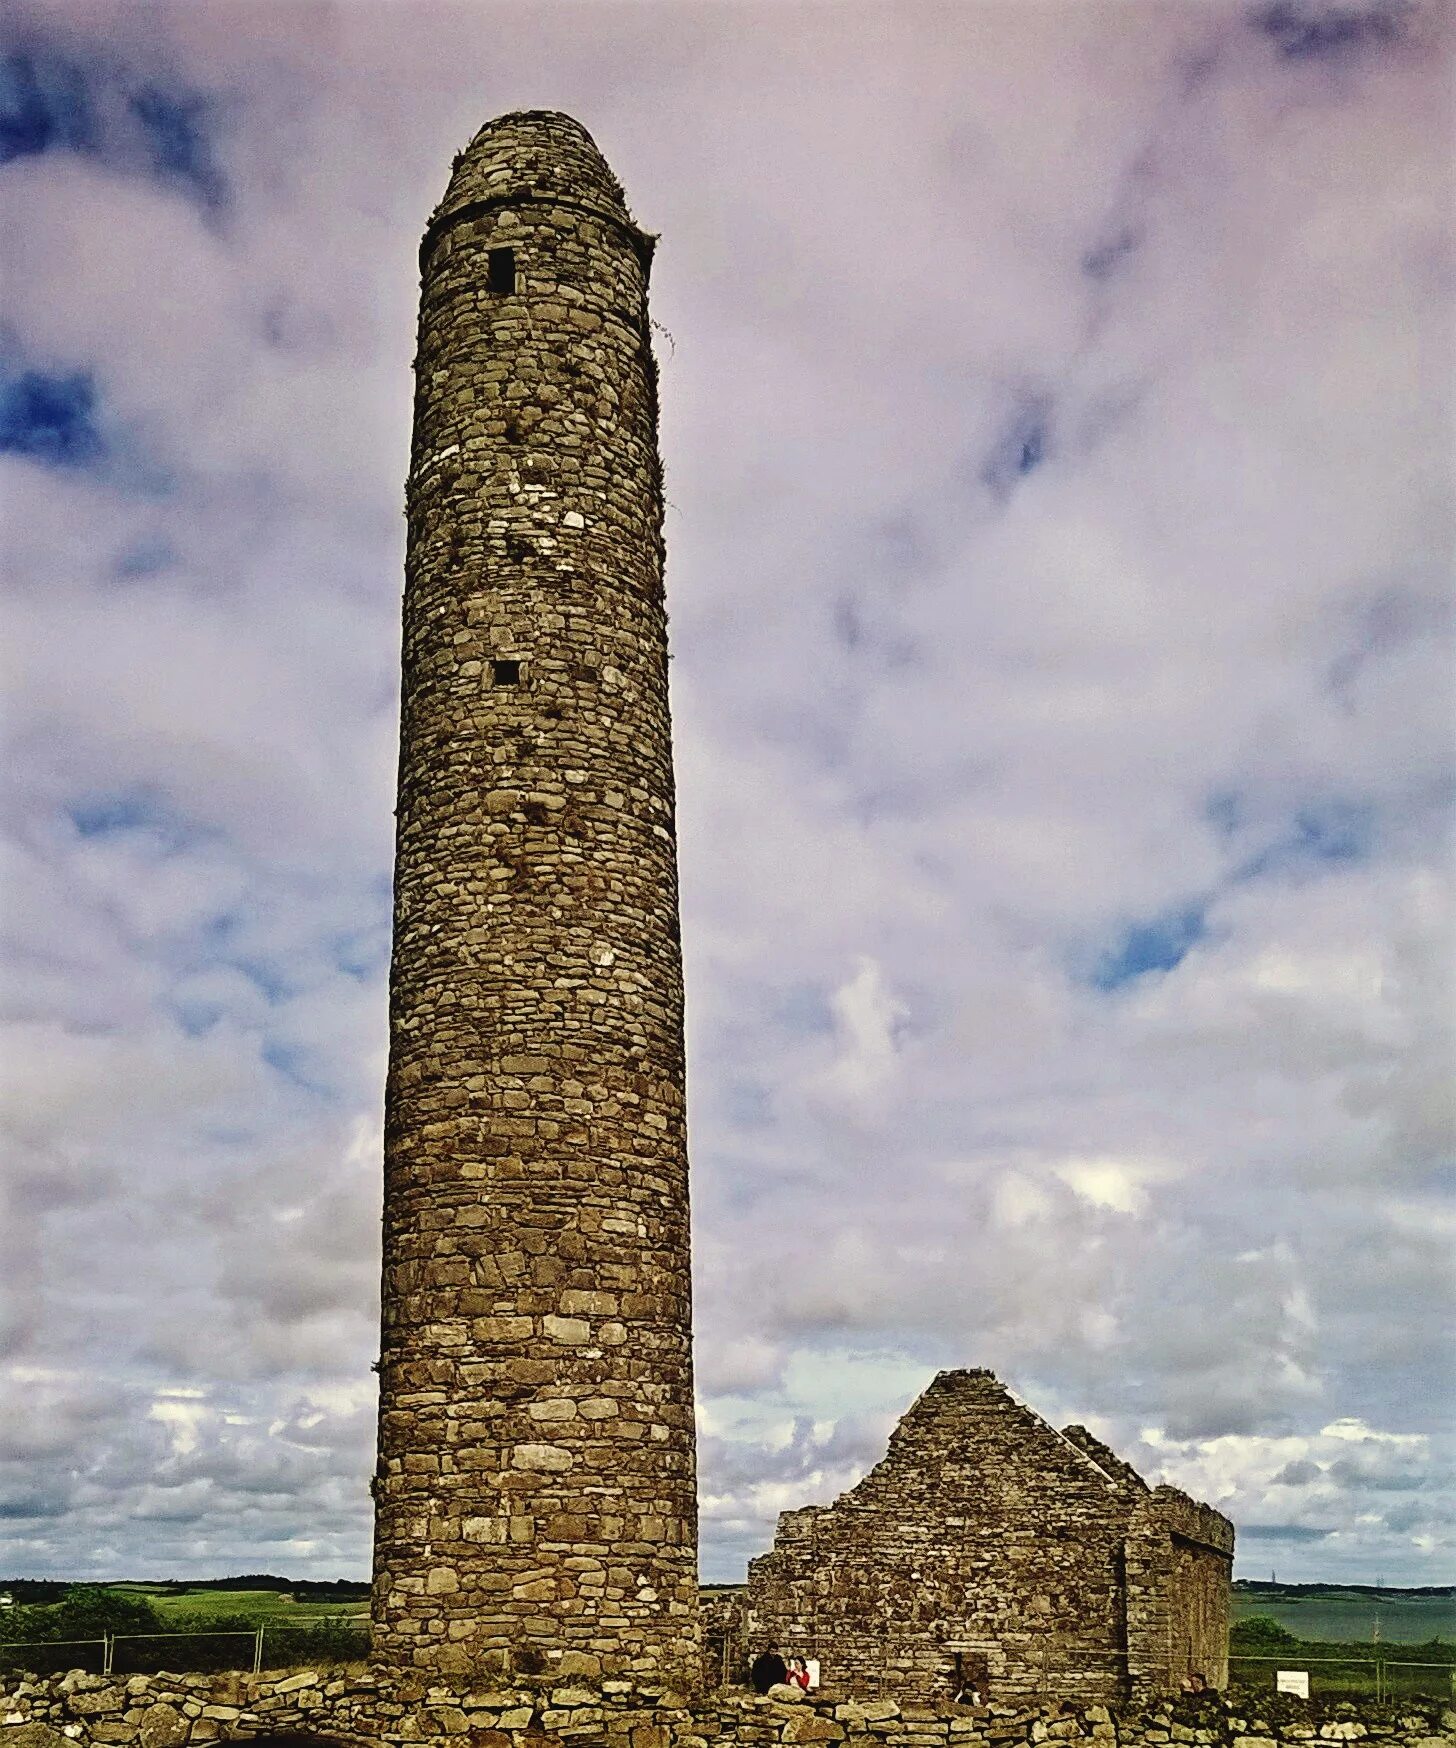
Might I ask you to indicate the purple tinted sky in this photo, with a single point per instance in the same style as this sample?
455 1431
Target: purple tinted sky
1058 435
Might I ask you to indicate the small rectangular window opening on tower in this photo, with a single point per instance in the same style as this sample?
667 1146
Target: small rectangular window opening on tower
506 672
500 273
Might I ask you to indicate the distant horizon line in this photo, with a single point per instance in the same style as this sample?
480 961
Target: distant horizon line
240 1579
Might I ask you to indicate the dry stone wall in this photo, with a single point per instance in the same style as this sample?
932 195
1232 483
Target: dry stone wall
535 1490
314 1710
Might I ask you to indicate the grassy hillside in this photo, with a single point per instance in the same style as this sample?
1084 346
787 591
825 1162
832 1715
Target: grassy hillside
199 1607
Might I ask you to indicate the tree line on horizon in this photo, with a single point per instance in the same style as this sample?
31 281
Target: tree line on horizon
45 1590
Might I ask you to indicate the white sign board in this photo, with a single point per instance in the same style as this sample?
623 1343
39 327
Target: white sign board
1295 1681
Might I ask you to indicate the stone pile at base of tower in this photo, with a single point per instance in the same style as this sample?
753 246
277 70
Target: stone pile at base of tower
360 1710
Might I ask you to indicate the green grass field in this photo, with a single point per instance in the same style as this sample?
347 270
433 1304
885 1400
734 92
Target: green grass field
138 1628
1347 1617
261 1607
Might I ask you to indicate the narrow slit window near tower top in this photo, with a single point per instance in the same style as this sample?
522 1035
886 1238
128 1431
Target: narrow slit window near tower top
500 272
505 672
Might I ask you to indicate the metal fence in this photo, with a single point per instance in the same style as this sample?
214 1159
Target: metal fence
1349 1677
263 1647
345 1638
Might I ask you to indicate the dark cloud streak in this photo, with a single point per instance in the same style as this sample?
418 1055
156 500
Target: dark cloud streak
55 99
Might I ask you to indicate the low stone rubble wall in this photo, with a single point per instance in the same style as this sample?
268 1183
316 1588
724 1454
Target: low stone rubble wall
363 1710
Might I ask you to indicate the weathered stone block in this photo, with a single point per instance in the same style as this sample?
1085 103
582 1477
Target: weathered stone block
32 1735
163 1726
552 1459
812 1727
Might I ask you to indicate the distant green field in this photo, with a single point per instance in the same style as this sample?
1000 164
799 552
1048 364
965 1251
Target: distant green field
261 1607
1344 1617
138 1628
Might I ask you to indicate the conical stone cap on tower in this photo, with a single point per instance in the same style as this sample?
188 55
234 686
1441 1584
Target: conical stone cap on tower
537 155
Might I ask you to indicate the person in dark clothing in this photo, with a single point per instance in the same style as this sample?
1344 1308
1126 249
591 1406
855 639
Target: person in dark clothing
768 1668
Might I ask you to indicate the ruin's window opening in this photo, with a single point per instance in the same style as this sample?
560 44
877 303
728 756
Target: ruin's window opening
505 672
500 272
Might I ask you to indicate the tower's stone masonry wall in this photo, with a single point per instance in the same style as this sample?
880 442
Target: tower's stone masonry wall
989 1544
535 1489
181 1711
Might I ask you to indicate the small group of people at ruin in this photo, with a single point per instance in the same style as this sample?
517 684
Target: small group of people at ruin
970 1682
771 1669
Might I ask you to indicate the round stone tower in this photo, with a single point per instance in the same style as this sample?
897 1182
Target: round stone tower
535 1491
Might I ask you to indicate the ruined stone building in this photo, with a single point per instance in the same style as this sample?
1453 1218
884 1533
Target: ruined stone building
535 1490
989 1545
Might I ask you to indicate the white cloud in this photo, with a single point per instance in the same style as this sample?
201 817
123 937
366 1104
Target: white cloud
867 1020
1356 1430
1119 1184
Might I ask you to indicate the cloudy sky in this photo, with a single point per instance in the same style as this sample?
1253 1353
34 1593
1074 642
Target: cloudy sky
1058 428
